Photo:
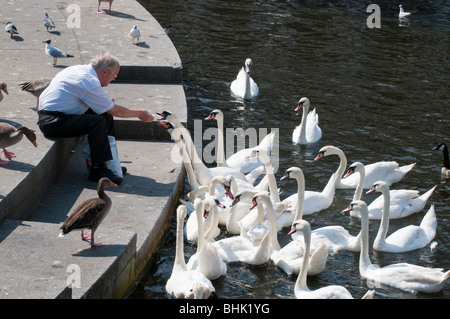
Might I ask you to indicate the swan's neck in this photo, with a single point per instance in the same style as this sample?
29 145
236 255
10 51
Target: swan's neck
300 197
214 215
203 174
300 284
446 158
201 229
384 223
221 161
342 164
364 259
247 90
231 223
273 190
188 165
302 137
179 253
360 186
273 224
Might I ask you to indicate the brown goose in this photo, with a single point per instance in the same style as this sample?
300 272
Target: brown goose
90 213
9 136
36 87
4 88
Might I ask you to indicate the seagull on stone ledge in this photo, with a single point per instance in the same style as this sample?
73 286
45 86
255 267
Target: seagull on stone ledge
55 53
11 29
135 34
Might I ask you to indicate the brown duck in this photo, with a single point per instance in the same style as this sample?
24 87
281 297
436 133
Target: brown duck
9 136
90 213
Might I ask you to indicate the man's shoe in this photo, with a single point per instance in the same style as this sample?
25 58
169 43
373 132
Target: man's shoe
98 172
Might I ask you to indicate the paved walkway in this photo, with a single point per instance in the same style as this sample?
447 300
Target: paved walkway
42 185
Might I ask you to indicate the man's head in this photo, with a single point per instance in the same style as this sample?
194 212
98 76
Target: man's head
106 66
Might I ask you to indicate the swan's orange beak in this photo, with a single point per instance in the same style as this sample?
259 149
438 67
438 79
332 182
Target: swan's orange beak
349 172
349 208
319 156
34 143
5 90
293 230
298 108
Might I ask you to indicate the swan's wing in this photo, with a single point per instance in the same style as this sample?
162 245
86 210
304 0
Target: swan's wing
409 237
313 131
253 88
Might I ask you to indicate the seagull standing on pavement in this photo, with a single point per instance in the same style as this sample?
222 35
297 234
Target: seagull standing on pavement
135 34
55 53
11 29
48 22
110 4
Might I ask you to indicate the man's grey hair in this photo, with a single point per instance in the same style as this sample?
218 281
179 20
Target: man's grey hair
104 60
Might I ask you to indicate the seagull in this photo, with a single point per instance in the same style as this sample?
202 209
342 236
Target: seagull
403 13
48 22
11 29
135 34
110 4
55 53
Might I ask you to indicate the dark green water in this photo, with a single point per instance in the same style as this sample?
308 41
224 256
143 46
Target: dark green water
381 94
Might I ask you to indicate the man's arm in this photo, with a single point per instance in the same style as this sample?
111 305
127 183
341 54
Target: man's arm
124 112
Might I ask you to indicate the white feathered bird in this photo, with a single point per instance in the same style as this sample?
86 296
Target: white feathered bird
135 34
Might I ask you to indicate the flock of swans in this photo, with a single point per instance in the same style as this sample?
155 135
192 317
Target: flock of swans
227 198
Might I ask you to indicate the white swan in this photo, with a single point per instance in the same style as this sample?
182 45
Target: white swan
314 201
244 86
289 258
239 160
335 238
407 238
397 198
388 171
445 170
402 13
301 289
308 131
404 276
403 202
203 174
214 193
206 260
182 281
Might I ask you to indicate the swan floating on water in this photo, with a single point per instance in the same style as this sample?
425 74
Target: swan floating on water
404 276
301 289
244 86
182 281
308 131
